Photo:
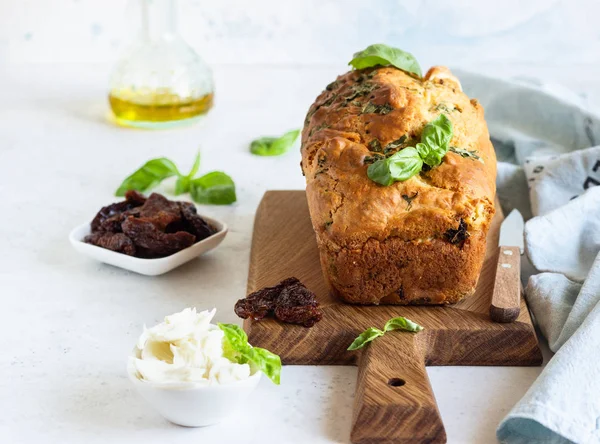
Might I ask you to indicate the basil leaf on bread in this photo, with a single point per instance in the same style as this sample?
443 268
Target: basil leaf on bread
400 166
384 55
435 138
407 162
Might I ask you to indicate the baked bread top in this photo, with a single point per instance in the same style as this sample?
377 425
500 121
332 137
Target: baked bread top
360 114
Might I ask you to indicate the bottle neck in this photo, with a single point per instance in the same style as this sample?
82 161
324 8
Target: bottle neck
159 19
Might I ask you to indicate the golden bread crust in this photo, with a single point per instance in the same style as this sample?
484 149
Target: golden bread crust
394 244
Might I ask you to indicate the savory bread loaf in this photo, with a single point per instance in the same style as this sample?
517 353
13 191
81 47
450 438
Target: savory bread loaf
418 241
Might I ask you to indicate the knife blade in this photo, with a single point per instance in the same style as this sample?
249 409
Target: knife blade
511 231
506 294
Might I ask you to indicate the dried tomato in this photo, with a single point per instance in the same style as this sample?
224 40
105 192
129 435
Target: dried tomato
149 228
289 301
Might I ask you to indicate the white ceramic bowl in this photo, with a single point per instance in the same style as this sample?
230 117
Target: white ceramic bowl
149 267
194 406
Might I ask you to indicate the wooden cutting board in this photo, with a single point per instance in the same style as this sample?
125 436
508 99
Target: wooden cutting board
394 401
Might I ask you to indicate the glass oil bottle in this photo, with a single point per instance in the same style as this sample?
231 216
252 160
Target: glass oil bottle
161 82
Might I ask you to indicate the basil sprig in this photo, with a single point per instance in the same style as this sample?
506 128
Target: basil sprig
148 176
371 333
401 323
237 349
409 161
183 182
274 146
215 188
384 55
365 337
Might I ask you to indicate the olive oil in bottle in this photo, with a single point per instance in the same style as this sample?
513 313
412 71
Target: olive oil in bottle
158 106
162 82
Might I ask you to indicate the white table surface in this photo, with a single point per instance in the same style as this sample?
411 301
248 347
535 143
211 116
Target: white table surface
69 322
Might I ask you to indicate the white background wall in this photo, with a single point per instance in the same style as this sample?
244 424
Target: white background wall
457 32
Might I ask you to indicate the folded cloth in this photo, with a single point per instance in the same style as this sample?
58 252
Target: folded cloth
546 141
563 405
555 180
566 240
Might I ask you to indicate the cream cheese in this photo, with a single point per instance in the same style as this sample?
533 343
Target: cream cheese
186 347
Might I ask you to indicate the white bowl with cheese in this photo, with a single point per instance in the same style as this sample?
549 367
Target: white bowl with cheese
196 406
179 368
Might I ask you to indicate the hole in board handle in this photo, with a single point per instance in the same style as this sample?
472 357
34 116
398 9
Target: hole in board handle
396 382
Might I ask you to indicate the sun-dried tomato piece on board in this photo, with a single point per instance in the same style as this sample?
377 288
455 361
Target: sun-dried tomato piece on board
289 301
259 304
296 304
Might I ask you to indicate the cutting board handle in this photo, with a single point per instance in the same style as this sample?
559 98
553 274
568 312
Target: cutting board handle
394 401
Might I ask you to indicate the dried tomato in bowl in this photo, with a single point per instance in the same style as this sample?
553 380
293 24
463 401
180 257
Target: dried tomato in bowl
150 227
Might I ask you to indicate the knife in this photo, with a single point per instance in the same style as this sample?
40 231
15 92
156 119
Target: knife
506 296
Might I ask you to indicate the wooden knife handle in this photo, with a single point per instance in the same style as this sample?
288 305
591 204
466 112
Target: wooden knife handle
394 401
506 296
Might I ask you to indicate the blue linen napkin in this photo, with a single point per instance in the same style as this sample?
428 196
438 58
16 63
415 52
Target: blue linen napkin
549 168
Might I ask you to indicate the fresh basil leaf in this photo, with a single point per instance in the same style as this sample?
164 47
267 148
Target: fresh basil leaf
262 146
371 333
148 176
229 352
195 166
399 167
384 55
267 362
379 171
237 349
215 188
235 335
183 182
431 155
405 164
401 323
182 185
438 132
365 337
274 146
435 138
